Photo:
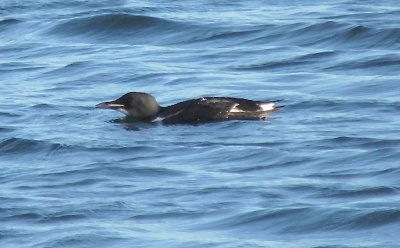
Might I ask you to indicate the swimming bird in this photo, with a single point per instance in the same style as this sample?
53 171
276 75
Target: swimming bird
201 110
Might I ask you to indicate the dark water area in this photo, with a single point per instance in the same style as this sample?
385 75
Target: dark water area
323 172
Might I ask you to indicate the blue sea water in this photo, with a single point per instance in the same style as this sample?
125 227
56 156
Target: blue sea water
323 172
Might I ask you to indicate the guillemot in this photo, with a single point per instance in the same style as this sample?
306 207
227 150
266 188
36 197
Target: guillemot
201 110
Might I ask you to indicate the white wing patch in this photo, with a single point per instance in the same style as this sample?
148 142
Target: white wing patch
264 107
267 106
234 109
158 119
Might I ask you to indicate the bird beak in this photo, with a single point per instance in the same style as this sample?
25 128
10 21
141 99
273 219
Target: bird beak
109 105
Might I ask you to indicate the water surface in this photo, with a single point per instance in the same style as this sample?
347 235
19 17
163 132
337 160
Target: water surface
323 172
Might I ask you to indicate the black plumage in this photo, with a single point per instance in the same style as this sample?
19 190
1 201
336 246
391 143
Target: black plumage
207 109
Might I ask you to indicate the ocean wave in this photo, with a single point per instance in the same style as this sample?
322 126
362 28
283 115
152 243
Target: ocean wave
128 27
26 146
376 218
143 29
15 146
362 142
339 104
34 215
333 38
344 35
296 61
302 219
8 22
360 193
6 129
327 35
18 67
384 64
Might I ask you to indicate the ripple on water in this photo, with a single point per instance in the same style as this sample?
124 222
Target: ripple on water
137 29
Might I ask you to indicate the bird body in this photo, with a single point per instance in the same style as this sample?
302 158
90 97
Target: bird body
201 110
